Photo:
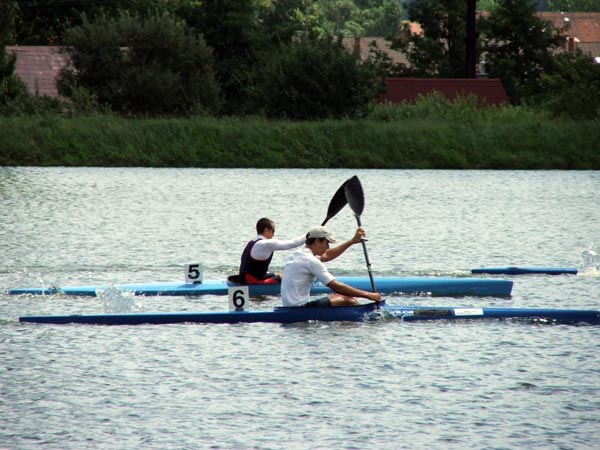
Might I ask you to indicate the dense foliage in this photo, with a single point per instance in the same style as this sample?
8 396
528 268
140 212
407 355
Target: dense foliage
135 64
440 50
231 29
11 87
360 17
572 88
574 5
14 98
141 65
518 47
44 22
549 5
342 86
279 57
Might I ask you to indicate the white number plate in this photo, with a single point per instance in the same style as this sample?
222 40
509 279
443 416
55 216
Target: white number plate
238 297
193 273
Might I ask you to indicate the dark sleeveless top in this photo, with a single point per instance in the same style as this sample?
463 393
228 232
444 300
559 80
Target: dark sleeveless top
254 267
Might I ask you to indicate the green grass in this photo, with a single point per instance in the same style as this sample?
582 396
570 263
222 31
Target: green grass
432 134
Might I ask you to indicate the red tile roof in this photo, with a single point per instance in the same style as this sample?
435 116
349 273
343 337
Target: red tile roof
362 46
584 26
38 67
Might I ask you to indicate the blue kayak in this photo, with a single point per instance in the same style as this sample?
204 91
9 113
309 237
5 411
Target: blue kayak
332 314
526 270
437 286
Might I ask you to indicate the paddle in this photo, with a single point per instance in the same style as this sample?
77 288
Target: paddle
356 199
337 203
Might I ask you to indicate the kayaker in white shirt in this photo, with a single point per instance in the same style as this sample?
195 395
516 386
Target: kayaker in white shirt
305 266
258 253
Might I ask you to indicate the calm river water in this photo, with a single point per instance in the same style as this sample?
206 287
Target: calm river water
381 385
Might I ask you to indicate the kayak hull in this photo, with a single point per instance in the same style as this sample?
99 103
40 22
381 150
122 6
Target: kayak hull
526 270
437 286
331 314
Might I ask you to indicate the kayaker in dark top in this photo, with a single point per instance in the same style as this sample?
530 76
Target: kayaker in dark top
254 265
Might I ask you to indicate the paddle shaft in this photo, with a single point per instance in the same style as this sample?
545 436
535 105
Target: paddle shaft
364 246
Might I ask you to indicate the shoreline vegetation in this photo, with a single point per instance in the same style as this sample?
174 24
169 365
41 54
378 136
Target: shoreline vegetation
430 134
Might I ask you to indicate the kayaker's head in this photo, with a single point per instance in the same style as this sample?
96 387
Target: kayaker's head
266 227
318 239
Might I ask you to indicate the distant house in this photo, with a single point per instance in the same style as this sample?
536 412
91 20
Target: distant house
582 30
38 67
489 92
362 46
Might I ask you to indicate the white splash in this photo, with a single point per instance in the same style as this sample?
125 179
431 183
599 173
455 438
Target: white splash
117 301
590 262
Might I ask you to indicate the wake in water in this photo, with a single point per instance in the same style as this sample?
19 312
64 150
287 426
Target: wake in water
590 262
117 301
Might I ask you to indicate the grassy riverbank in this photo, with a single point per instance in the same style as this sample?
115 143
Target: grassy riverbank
392 137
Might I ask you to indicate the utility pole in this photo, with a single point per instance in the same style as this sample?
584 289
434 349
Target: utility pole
471 47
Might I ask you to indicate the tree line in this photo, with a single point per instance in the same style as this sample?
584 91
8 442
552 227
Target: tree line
284 58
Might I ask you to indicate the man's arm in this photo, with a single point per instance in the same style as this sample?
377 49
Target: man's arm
344 289
264 247
334 252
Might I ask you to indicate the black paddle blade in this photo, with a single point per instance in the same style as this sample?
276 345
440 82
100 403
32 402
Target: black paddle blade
336 204
355 195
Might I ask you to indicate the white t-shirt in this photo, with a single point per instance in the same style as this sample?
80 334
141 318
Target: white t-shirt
299 273
264 247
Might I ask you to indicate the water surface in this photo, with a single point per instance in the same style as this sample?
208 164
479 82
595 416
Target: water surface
385 385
